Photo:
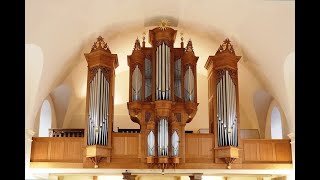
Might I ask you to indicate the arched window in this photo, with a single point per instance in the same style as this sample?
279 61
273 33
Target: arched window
276 125
45 119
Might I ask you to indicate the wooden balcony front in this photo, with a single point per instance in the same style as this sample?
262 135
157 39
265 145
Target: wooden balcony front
128 152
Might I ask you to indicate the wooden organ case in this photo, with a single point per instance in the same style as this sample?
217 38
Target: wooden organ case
99 103
162 96
223 91
163 99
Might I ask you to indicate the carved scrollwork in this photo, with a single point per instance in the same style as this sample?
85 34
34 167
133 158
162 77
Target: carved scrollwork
178 117
93 71
166 42
147 116
233 74
226 47
100 44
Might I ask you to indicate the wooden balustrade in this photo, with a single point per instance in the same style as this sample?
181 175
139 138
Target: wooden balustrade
267 150
199 148
126 148
66 132
64 149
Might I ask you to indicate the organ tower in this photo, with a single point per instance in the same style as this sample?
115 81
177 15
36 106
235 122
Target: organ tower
162 95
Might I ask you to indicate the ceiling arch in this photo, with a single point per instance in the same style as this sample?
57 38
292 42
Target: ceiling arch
261 31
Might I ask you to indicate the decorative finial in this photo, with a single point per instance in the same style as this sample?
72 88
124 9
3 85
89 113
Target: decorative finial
137 45
181 34
189 47
164 24
101 45
143 38
226 47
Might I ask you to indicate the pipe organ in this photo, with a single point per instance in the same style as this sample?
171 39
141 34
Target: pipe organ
162 100
224 102
163 95
99 102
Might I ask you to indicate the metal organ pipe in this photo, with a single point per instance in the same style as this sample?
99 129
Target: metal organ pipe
226 111
136 84
151 144
163 72
98 109
175 144
189 84
163 137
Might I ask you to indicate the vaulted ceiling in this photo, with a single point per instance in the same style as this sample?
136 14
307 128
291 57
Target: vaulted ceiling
62 31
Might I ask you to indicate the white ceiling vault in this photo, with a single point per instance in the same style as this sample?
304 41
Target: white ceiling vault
263 33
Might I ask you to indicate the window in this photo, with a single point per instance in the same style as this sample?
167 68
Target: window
276 125
45 119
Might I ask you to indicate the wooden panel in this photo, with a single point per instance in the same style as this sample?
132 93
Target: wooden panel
250 151
72 150
132 145
266 152
57 149
125 145
199 148
192 144
118 145
205 145
283 152
39 150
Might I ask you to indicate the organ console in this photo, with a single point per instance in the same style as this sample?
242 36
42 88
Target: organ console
99 102
224 102
163 95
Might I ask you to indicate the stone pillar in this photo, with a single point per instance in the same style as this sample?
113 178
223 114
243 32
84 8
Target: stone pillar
196 176
28 140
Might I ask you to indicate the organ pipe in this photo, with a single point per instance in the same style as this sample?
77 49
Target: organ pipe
148 78
151 142
226 111
136 84
175 144
189 84
163 72
98 109
177 78
163 137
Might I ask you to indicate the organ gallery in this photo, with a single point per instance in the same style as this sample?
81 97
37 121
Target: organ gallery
163 99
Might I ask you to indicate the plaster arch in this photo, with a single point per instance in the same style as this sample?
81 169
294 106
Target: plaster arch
33 72
261 102
289 79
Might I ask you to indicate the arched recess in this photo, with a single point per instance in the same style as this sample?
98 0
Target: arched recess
289 79
275 113
33 71
261 102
